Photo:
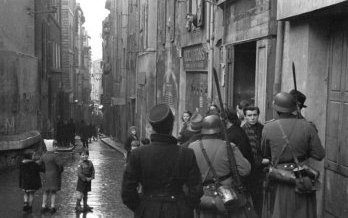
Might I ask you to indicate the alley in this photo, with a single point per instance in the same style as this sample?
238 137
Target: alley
104 197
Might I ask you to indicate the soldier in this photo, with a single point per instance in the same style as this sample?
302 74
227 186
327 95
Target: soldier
284 141
162 168
300 99
216 151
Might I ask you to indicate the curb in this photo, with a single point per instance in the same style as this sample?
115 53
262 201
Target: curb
115 145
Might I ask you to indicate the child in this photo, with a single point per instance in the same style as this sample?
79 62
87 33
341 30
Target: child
132 141
52 176
29 179
85 175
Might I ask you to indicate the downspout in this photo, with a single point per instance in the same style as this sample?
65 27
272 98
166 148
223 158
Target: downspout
211 53
279 58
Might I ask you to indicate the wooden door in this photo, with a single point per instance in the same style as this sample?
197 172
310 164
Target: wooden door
196 92
336 163
229 75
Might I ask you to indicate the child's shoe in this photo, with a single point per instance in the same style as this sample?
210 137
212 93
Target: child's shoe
30 209
87 208
45 209
78 209
53 210
25 207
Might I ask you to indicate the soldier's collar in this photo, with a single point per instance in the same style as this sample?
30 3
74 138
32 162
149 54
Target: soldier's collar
157 137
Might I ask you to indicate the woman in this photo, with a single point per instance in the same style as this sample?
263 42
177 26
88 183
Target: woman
185 134
132 141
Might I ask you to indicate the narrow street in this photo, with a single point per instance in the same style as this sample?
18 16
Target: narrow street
104 197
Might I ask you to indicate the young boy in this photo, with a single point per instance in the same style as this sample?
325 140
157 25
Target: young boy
85 175
253 129
29 179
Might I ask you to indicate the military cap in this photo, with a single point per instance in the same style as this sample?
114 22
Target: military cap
299 96
196 122
161 117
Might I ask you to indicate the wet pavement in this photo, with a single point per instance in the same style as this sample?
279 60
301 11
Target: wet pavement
104 198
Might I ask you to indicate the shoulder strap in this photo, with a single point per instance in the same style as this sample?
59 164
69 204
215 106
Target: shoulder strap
215 176
287 141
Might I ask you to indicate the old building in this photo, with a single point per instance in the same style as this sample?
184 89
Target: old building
19 80
68 70
76 65
247 30
81 68
48 52
117 90
315 39
96 81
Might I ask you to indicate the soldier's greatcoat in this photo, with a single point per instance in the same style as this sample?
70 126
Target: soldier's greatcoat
153 166
305 143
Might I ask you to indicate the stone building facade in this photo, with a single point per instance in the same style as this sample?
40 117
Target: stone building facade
172 47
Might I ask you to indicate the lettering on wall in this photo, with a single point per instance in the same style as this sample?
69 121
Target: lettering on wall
195 58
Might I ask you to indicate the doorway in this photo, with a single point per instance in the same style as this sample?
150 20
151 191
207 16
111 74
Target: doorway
244 72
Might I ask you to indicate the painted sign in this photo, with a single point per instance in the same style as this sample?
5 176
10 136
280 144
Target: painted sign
195 58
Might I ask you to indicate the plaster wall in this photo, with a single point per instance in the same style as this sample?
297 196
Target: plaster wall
292 8
19 94
249 19
17 26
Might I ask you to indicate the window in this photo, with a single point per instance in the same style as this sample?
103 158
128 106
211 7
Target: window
195 16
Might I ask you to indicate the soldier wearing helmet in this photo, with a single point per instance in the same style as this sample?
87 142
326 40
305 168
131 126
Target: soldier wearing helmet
216 151
303 143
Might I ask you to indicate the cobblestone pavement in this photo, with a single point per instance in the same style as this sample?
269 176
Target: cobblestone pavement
104 197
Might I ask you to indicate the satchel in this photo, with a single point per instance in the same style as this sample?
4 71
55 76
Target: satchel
302 176
216 196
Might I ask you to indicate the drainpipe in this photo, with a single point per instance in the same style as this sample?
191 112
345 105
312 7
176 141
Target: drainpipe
279 58
211 52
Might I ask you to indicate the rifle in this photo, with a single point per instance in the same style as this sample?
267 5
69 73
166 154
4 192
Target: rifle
232 160
295 87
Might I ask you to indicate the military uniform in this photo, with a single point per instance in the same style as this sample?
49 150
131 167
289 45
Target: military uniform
216 150
306 144
163 169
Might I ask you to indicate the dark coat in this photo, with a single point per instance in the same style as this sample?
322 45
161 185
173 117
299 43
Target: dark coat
237 136
306 144
153 167
84 132
29 175
53 172
130 139
85 170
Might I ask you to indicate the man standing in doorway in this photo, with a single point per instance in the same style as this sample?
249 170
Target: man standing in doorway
253 130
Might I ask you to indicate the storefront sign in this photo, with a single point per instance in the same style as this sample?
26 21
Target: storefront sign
195 58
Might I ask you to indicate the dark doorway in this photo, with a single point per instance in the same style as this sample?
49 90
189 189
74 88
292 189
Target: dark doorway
244 72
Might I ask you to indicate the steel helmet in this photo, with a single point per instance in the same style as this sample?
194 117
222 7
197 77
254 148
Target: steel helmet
284 102
211 124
